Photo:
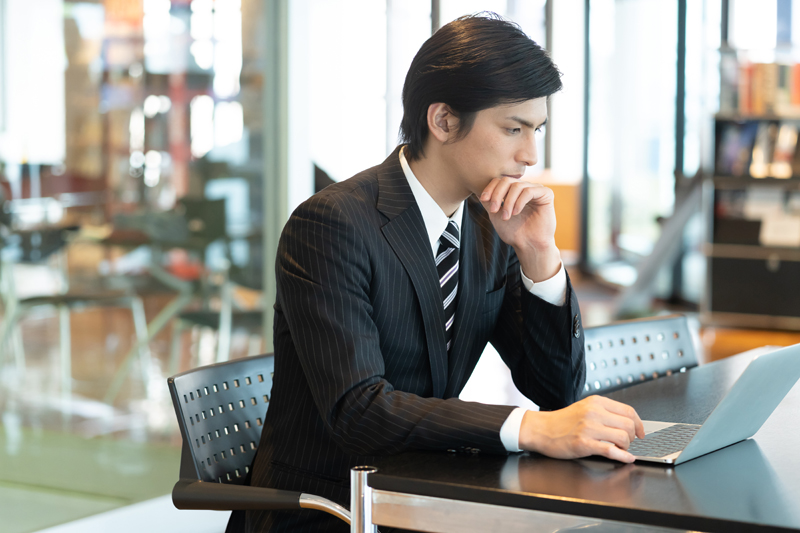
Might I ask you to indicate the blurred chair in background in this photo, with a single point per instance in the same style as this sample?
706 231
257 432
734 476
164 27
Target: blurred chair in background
38 247
193 226
225 321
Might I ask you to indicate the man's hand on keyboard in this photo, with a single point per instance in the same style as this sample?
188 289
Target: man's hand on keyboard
592 426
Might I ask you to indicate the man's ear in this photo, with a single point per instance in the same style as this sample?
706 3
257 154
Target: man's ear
442 122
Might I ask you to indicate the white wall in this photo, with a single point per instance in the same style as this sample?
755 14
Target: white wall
300 167
565 126
33 124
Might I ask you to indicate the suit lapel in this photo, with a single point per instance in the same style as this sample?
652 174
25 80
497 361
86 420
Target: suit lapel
471 292
405 232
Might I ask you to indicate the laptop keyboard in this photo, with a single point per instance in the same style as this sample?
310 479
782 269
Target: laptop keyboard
664 441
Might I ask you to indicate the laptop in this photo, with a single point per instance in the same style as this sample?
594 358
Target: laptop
741 412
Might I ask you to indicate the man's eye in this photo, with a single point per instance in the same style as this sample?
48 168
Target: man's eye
514 130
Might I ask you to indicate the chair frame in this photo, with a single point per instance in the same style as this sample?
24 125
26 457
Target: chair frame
624 353
226 387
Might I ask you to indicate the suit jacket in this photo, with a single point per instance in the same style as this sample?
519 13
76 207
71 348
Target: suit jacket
361 368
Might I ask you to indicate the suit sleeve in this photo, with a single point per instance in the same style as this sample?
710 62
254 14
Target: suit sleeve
323 274
538 342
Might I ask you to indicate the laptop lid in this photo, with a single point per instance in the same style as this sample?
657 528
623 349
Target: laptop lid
747 405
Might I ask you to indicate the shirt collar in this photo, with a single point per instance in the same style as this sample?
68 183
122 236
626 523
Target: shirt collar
432 215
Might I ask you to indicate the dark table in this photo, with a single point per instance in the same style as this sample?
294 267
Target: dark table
749 486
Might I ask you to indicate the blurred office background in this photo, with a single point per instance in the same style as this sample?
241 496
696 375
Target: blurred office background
151 151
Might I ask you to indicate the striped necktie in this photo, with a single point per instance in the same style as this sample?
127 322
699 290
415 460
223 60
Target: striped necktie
447 266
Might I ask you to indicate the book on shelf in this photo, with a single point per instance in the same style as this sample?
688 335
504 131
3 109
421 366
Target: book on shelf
744 84
763 149
795 85
759 88
783 159
783 90
764 85
735 148
758 149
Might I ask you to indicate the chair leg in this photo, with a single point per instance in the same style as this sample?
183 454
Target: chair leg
225 324
19 351
175 346
9 321
158 323
11 311
65 350
253 345
142 342
205 346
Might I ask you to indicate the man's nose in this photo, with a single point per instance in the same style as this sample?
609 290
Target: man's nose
528 154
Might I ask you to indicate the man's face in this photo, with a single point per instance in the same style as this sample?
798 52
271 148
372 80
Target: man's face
501 143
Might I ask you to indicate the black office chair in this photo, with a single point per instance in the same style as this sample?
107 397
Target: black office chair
625 353
220 410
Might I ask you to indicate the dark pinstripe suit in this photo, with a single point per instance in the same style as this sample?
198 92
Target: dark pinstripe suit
360 362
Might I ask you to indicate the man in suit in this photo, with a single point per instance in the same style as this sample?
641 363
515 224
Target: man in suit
391 283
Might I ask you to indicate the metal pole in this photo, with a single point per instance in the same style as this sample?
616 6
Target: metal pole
435 12
680 132
3 60
276 148
584 260
361 500
548 40
725 7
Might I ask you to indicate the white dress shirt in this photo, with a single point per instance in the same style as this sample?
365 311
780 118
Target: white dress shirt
553 290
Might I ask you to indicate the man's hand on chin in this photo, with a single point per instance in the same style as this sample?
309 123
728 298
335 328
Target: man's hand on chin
523 215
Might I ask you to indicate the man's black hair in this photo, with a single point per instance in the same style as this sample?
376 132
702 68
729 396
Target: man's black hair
473 63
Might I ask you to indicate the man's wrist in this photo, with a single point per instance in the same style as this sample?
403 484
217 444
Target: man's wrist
530 437
539 264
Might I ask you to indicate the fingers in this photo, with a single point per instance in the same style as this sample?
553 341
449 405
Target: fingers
516 200
486 195
497 196
635 427
511 195
621 423
617 437
613 452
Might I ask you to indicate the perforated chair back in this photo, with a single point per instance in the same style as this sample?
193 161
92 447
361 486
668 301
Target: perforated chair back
624 353
221 410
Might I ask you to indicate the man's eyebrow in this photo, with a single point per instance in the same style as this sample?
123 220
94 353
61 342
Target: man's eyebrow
527 123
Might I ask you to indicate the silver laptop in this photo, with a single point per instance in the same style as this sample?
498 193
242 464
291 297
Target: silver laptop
744 409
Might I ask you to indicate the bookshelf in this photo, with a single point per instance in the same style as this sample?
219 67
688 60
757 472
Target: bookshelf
753 248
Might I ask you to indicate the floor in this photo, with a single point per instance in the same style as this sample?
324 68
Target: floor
66 455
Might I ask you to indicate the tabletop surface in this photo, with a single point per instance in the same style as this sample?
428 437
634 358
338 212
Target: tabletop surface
754 482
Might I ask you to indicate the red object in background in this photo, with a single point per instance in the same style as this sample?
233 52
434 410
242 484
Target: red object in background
183 266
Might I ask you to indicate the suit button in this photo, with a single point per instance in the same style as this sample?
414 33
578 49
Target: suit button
576 327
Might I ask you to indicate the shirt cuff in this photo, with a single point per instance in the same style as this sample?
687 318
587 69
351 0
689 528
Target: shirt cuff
509 431
553 290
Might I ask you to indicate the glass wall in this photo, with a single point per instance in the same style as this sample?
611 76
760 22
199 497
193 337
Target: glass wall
360 51
130 164
633 48
131 178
